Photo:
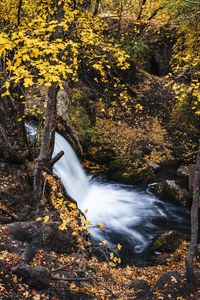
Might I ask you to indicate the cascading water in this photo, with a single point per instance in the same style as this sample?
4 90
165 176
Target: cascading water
131 216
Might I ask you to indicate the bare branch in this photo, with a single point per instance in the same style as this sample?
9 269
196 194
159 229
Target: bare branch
56 158
70 279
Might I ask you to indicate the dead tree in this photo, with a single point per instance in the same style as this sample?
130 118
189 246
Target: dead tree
194 223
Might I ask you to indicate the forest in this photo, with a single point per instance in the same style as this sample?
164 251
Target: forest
99 149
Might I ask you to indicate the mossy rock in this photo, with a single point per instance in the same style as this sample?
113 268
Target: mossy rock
171 192
168 241
130 171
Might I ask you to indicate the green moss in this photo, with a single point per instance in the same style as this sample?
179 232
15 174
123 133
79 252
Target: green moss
79 115
166 193
130 171
168 242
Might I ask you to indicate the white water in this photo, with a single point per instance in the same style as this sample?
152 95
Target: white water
132 217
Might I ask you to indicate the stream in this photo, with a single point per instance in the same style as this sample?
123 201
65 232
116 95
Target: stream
131 215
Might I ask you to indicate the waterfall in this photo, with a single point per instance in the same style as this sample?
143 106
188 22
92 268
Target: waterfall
131 216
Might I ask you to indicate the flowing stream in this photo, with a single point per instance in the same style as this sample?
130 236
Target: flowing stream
132 216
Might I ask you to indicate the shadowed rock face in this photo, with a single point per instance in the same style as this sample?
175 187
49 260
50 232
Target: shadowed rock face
16 191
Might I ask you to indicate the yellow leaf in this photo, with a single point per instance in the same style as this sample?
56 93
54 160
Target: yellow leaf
72 205
46 219
119 246
26 294
101 226
28 82
63 226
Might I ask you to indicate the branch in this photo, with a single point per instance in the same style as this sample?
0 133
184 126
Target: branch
4 211
56 158
93 279
70 279
18 13
73 261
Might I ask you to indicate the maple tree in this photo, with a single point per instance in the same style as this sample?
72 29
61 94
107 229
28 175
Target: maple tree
44 43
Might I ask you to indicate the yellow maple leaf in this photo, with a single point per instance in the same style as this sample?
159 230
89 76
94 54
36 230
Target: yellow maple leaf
101 226
72 205
46 219
28 82
119 246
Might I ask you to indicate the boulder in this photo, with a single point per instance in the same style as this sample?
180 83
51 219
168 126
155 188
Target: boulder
172 284
168 241
182 171
35 276
169 191
130 171
61 241
140 287
153 165
137 153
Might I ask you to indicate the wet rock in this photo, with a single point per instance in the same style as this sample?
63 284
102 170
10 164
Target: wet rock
182 171
35 276
170 191
168 241
153 165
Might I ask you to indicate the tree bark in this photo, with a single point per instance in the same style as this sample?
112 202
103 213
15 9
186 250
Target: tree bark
46 149
194 223
96 7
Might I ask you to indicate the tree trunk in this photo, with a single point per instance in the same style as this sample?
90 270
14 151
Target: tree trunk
96 7
194 223
48 135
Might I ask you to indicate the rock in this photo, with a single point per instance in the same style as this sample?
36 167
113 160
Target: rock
162 259
172 283
65 242
137 153
170 191
104 156
141 288
130 171
182 171
35 276
168 241
153 165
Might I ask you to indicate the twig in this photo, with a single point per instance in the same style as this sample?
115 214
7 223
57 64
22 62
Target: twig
7 213
109 290
74 259
70 279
